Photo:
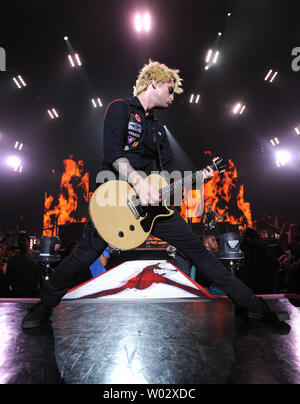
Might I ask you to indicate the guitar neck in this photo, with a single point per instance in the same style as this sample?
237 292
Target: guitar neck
177 186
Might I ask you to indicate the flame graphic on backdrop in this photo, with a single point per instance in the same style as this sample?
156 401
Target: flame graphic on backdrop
74 190
223 192
225 195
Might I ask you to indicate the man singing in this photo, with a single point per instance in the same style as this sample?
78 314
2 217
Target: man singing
131 140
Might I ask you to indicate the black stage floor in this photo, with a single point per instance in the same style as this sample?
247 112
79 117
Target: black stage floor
180 341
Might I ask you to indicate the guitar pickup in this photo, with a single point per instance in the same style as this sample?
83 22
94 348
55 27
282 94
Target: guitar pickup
133 210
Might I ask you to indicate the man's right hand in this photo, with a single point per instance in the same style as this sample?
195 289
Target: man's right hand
147 193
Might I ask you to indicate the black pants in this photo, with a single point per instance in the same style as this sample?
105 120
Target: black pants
173 230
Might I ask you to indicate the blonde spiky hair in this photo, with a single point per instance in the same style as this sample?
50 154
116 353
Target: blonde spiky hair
159 71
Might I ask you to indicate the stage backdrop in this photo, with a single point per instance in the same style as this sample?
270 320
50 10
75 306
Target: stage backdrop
68 203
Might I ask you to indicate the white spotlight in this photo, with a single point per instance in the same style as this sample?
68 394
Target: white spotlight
19 82
18 145
142 22
13 162
96 102
208 56
283 157
16 82
78 59
71 60
237 108
147 22
275 141
138 22
216 57
53 113
243 109
22 81
273 77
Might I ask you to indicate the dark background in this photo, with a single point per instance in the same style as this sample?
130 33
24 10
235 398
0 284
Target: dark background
259 36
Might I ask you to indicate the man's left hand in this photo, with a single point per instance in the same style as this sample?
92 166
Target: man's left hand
208 173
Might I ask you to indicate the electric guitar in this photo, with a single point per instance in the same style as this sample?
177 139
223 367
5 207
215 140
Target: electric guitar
118 215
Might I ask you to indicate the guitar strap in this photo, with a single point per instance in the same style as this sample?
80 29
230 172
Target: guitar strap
156 140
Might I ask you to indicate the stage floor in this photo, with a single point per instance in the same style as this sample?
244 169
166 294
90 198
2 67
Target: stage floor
166 341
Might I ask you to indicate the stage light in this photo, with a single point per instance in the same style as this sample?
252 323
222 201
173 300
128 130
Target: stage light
216 57
71 60
13 162
268 75
78 59
211 58
75 59
53 113
282 157
18 145
142 22
208 56
271 76
275 141
19 82
228 14
138 23
219 33
297 130
194 98
238 108
243 109
22 81
50 114
66 38
96 102
147 22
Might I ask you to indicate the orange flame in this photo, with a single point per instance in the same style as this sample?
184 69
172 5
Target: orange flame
226 197
74 187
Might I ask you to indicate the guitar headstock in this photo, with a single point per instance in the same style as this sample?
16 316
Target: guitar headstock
219 164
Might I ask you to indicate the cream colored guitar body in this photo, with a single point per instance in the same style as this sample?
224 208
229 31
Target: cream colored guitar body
118 219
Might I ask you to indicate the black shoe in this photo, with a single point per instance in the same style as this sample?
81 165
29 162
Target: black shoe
268 318
275 320
37 314
271 320
246 314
